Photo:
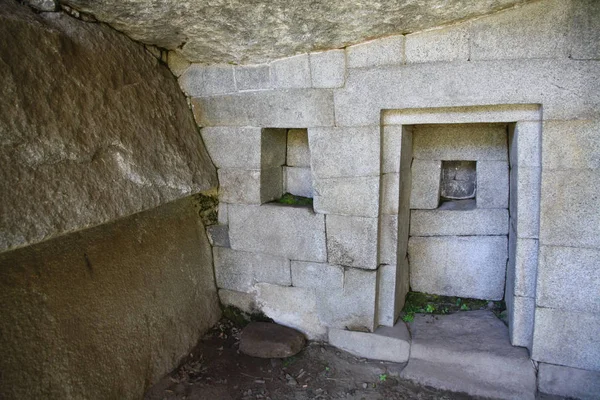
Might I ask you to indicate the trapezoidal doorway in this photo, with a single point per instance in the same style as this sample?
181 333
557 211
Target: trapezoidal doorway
467 225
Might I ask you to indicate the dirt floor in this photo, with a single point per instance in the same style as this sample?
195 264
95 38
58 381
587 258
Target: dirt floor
216 370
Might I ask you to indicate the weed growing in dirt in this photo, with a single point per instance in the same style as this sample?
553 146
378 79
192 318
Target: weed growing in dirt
417 302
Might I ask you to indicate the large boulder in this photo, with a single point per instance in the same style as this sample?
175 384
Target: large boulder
92 128
248 32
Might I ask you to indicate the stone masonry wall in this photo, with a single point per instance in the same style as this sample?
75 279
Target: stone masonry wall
455 251
328 266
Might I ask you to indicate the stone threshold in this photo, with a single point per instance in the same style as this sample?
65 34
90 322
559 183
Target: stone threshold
467 352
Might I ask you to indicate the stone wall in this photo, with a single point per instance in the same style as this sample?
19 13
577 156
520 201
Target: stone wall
105 312
459 216
505 68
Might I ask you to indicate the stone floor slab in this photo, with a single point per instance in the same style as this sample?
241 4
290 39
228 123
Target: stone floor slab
469 352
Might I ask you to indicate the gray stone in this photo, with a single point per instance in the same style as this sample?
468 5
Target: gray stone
291 306
241 186
536 30
245 33
317 275
388 239
565 338
240 270
525 144
386 343
584 39
525 201
177 63
386 293
389 50
273 148
328 69
233 147
566 88
347 196
391 148
568 278
298 151
252 77
402 283
268 340
218 235
458 223
472 142
292 72
568 382
461 114
521 313
522 264
108 145
446 44
148 276
352 241
245 147
354 306
344 152
42 5
293 108
222 217
569 208
472 266
202 81
459 180
571 144
469 352
390 193
492 184
244 301
297 181
293 232
405 194
425 188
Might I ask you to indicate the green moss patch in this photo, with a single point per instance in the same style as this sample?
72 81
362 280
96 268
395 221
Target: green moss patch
293 200
207 207
417 302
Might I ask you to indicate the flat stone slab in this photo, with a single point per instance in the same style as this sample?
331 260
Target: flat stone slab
386 343
268 340
469 352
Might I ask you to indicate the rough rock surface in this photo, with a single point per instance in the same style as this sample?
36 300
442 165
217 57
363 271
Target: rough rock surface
255 31
266 340
105 312
92 128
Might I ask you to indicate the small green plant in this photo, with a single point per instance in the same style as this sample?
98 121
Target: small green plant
382 377
289 361
327 369
408 317
464 307
293 200
430 308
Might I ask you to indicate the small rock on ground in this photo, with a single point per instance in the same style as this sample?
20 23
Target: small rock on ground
268 340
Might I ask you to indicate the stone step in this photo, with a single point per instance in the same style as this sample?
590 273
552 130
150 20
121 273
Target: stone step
469 352
386 343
